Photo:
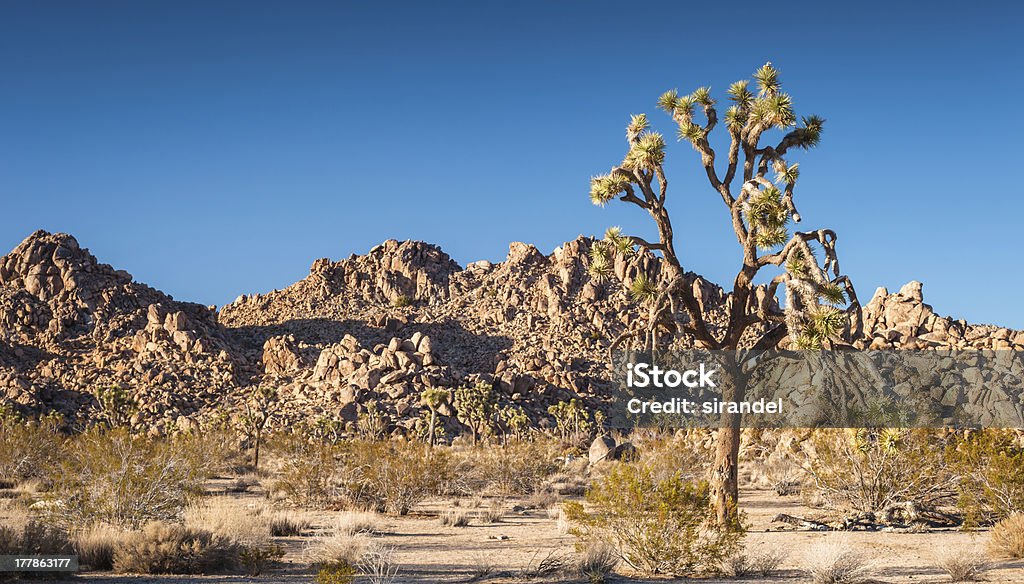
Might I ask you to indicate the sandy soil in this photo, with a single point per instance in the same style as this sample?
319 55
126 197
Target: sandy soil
428 552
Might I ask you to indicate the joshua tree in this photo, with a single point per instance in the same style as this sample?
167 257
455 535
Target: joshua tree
821 307
433 398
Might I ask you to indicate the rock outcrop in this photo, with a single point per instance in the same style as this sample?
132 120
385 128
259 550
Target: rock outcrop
370 331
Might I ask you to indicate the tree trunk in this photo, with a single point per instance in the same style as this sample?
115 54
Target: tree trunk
433 421
725 473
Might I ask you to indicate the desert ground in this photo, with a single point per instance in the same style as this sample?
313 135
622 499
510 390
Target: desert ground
511 549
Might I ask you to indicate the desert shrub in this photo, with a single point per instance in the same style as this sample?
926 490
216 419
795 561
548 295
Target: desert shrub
97 544
217 446
335 548
991 463
835 563
762 561
664 526
544 563
372 423
34 537
256 558
596 561
124 480
1007 537
667 454
518 468
356 522
454 518
167 548
339 573
29 449
287 523
873 470
963 565
308 474
394 476
378 565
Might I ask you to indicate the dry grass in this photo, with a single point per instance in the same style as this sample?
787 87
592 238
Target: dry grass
287 523
962 565
1007 539
454 518
836 563
596 562
495 513
96 545
378 565
762 561
358 522
247 524
335 549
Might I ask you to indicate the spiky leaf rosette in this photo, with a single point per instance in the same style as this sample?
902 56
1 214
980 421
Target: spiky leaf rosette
606 187
642 289
767 78
703 96
788 174
740 94
619 244
667 100
637 124
832 294
735 118
767 216
601 267
648 152
775 111
809 135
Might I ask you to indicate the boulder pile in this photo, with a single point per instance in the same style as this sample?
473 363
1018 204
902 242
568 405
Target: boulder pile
369 331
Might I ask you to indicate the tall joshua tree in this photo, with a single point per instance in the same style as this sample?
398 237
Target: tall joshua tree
821 310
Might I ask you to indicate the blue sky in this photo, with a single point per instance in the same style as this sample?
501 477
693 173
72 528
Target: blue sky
218 148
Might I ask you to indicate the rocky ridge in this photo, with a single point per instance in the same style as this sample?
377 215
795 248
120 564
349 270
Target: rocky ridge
370 329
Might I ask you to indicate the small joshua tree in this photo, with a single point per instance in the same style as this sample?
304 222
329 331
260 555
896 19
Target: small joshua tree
821 307
433 398
476 406
258 409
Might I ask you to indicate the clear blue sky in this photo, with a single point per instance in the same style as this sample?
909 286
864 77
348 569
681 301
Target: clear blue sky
215 148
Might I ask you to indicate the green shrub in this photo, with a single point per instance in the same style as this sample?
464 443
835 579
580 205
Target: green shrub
336 573
124 480
518 468
309 473
29 449
162 548
658 526
991 464
874 470
395 476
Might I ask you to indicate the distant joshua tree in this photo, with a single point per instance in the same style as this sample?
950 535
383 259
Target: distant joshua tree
821 306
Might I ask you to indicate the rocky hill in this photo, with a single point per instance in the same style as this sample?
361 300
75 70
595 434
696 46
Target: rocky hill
370 329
